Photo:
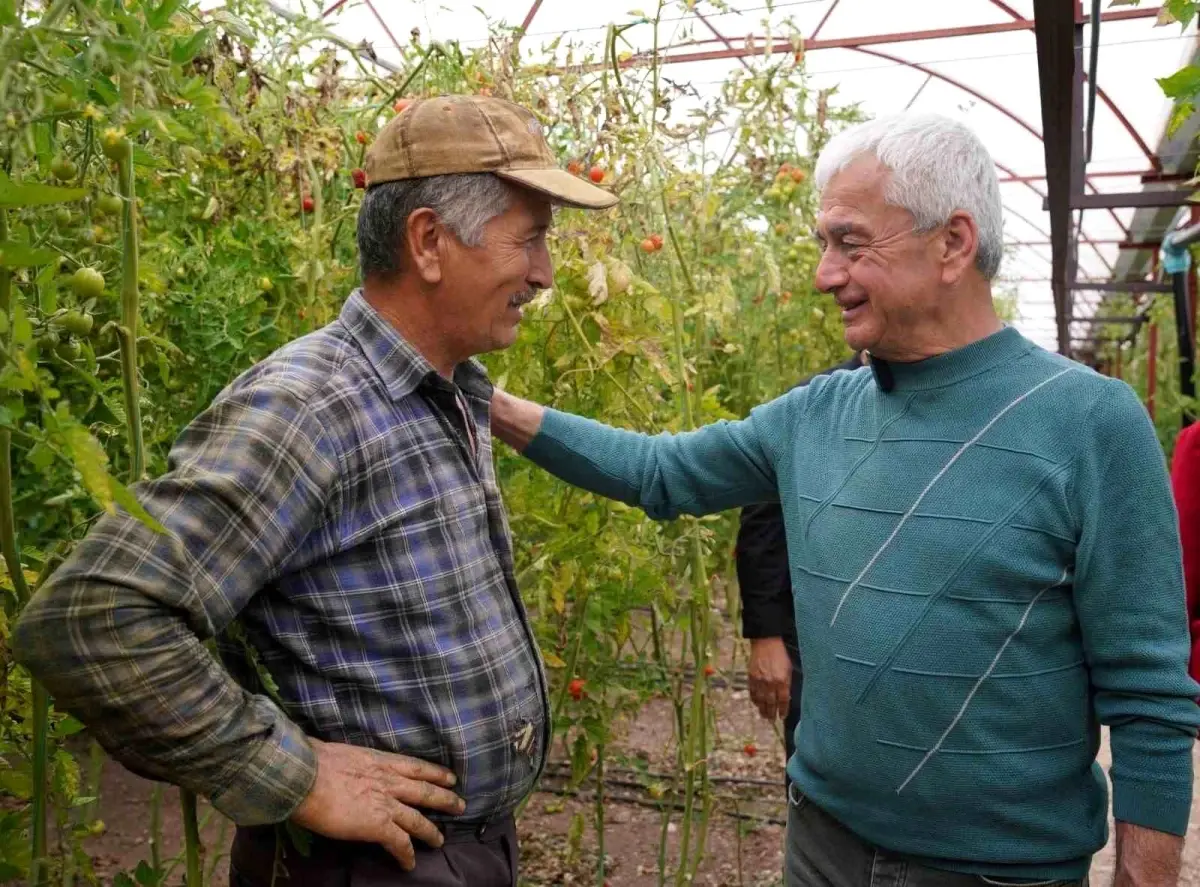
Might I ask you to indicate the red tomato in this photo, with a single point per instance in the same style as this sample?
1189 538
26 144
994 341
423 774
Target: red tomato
359 177
596 174
308 203
575 688
749 749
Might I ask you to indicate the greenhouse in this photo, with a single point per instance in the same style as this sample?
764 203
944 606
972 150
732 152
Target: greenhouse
330 554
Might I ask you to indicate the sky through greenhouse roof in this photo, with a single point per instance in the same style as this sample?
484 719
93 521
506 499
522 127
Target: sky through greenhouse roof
979 66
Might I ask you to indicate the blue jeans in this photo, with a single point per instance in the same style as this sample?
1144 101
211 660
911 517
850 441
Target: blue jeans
821 852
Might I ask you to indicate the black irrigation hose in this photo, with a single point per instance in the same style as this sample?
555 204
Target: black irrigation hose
659 805
668 777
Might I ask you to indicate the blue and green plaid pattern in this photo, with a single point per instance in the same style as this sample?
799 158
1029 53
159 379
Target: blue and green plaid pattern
330 502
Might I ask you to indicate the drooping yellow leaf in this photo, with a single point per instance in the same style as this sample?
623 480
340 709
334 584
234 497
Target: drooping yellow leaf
598 283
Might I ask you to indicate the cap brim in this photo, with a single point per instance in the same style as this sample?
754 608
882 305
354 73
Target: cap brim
562 187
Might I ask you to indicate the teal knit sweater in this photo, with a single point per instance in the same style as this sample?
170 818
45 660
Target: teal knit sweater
986 568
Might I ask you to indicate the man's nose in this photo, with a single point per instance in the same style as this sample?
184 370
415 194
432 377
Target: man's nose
831 271
541 268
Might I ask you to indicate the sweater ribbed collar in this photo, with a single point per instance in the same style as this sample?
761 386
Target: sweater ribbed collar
952 367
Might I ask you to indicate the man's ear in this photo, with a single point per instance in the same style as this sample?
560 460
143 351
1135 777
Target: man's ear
423 234
960 245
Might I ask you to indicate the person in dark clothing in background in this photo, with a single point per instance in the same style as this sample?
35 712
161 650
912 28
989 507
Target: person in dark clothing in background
768 620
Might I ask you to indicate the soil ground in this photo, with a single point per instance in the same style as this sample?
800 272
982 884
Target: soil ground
752 858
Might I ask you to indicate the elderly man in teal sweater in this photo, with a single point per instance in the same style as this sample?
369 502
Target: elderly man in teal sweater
984 554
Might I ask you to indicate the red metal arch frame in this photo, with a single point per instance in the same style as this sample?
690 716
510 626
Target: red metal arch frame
1155 162
1016 118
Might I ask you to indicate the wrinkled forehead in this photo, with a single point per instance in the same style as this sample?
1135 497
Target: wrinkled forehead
855 199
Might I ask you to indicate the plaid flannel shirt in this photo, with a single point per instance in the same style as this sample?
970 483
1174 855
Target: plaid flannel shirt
335 503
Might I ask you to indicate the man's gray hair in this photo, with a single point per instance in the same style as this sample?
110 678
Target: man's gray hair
938 166
465 204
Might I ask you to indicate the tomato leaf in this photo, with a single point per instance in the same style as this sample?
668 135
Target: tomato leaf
184 49
19 194
160 16
21 255
104 89
91 462
1183 84
581 759
1182 11
147 876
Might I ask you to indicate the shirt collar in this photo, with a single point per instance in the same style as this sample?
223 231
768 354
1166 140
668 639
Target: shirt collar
400 366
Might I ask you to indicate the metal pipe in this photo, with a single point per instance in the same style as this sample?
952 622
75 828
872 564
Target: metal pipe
1187 351
1093 64
1181 237
1176 261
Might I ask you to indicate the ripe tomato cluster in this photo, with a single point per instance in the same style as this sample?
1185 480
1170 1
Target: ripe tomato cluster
652 244
596 174
795 173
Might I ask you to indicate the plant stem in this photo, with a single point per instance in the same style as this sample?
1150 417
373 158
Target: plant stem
38 869
95 771
191 838
600 815
127 332
156 827
318 199
222 832
12 560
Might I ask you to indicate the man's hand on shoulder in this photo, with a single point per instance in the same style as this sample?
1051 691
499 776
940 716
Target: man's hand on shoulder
769 674
366 795
515 421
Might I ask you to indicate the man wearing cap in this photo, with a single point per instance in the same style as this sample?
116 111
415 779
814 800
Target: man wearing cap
338 502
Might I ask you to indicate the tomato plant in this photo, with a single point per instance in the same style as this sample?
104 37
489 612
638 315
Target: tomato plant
178 192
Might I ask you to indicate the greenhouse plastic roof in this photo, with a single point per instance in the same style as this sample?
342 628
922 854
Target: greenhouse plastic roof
980 67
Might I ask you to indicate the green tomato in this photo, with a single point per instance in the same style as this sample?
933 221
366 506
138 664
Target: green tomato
115 144
62 217
60 103
63 169
88 283
76 322
69 350
109 204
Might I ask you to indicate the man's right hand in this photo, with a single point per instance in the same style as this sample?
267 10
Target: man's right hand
366 795
769 674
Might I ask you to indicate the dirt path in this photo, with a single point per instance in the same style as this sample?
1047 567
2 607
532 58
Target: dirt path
632 831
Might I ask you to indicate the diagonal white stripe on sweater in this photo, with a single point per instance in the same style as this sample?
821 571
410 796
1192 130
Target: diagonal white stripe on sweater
925 492
979 682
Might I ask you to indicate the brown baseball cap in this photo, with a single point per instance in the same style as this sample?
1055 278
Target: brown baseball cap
470 134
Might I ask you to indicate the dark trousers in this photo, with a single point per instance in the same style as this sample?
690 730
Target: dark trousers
471 857
793 713
821 852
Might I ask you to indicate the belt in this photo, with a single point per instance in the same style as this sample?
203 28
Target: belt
463 831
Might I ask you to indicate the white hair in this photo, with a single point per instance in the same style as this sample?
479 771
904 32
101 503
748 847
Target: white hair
938 166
